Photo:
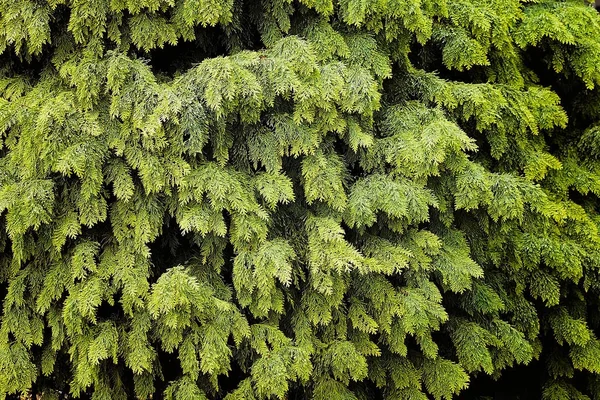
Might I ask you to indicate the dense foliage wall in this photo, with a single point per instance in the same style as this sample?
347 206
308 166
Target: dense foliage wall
307 199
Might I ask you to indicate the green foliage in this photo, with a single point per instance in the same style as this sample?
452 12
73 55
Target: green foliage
308 199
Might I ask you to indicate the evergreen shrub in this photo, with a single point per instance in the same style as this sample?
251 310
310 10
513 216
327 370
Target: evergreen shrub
298 199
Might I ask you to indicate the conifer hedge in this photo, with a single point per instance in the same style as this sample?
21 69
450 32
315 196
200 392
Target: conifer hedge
298 199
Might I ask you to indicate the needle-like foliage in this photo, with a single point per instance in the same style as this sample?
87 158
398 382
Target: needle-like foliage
298 199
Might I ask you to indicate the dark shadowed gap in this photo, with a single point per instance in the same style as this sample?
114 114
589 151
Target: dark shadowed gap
521 382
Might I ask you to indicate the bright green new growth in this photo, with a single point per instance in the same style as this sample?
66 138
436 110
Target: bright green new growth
305 199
